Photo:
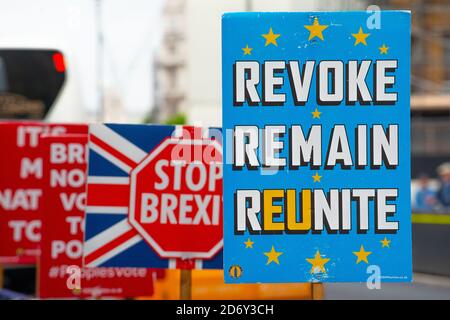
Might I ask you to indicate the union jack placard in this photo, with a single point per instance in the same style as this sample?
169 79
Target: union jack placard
150 201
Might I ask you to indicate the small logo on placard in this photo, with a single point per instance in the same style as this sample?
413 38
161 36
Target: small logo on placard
235 271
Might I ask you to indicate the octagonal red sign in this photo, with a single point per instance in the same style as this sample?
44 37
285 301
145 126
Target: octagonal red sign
176 198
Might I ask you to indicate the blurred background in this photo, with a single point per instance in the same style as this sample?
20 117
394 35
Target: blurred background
159 61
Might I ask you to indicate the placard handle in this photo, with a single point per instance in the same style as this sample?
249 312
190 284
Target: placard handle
1 276
317 291
185 284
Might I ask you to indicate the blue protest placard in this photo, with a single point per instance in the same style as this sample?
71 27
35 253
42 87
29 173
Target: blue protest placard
316 110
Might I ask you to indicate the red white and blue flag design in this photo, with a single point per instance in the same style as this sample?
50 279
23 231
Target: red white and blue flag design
110 240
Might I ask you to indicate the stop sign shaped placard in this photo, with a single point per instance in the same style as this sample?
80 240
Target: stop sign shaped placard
176 198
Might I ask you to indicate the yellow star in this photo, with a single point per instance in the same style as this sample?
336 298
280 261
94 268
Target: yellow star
249 243
362 255
315 30
360 37
272 256
247 50
383 49
316 114
271 38
385 243
76 291
318 263
316 177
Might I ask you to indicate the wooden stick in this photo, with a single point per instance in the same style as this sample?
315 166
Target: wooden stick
185 284
317 291
38 268
1 276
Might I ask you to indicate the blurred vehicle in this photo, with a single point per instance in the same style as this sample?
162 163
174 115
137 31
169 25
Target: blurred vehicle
36 83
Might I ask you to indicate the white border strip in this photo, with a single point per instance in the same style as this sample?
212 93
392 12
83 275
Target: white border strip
114 252
118 142
172 263
106 210
106 236
108 180
109 157
198 264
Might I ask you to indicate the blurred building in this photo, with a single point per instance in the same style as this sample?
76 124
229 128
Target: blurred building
188 62
170 63
114 111
430 82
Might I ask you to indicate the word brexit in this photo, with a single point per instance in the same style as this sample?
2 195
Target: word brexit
177 199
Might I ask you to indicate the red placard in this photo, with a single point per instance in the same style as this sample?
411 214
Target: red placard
172 194
60 272
21 191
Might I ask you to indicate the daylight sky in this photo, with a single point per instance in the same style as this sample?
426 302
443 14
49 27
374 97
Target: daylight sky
131 34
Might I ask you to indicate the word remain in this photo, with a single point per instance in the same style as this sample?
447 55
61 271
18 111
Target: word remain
276 146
